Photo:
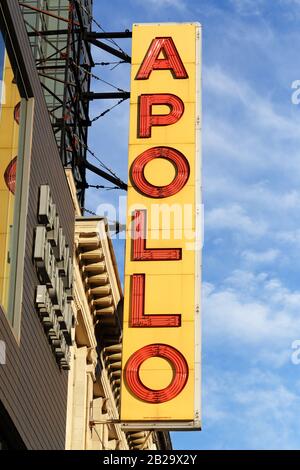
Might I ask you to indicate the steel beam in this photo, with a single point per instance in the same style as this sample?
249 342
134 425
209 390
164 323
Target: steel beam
105 175
111 50
118 35
106 96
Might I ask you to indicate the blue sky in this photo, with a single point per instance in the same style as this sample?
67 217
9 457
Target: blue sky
251 175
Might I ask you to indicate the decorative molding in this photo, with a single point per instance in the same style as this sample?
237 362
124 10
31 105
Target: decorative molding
55 272
97 267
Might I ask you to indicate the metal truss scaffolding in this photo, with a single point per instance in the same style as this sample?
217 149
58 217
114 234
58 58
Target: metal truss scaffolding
60 35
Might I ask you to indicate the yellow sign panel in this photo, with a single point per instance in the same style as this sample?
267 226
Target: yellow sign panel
161 342
9 140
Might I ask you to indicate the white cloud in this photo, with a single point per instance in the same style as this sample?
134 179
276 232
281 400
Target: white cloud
245 280
248 7
256 400
289 236
256 257
234 217
253 310
250 185
290 2
261 109
229 315
160 4
259 194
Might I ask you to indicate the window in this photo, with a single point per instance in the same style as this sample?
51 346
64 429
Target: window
10 439
3 444
16 118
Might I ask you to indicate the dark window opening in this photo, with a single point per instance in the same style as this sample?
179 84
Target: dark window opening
9 436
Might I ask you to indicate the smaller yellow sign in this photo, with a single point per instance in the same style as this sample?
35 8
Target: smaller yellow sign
9 139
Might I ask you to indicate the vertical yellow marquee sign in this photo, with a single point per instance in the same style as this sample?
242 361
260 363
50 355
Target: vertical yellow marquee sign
161 344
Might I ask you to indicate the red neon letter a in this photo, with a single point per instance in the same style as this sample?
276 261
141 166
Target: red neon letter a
170 61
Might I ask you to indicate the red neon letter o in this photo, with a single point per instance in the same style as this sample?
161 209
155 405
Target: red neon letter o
149 395
175 157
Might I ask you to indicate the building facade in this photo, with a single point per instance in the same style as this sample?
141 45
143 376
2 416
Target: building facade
93 421
61 299
33 388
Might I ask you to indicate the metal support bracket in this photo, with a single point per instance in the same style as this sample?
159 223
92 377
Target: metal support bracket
105 47
106 96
